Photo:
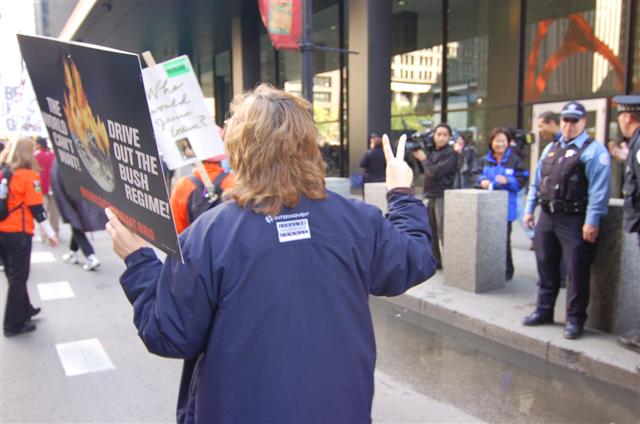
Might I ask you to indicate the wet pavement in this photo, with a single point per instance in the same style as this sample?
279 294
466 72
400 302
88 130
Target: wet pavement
489 381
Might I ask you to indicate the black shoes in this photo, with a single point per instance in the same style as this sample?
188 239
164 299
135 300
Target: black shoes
25 327
34 312
537 318
631 340
572 331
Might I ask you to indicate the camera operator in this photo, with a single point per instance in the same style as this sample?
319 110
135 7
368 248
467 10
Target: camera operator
440 167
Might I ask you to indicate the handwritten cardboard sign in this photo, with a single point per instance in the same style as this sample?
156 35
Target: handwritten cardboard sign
94 106
184 129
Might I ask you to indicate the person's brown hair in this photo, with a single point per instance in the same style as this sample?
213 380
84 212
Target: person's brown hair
271 143
23 155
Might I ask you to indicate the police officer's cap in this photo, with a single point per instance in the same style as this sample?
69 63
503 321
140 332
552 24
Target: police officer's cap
628 103
574 110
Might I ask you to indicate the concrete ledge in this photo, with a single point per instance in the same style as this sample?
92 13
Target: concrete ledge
497 316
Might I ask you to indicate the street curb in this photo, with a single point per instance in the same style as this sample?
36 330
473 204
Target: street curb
549 349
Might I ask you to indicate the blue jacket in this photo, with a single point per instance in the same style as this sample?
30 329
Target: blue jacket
597 167
275 309
512 168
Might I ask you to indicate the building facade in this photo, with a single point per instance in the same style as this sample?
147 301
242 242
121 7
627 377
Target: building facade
475 64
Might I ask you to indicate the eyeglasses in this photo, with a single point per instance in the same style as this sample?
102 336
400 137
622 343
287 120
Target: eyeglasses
570 120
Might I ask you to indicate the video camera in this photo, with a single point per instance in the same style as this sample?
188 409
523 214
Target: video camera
421 139
522 137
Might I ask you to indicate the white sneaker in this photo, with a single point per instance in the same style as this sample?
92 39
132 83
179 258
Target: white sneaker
92 263
71 258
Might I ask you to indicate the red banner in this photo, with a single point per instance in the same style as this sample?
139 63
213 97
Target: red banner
283 21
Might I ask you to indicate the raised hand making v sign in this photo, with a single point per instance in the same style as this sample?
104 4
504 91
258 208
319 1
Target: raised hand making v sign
399 174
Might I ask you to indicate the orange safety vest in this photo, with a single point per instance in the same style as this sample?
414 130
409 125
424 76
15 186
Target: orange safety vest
182 191
25 189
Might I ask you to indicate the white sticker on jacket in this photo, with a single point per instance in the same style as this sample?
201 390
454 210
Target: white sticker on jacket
508 171
293 230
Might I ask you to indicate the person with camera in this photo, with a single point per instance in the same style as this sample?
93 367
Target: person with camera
571 185
440 167
502 169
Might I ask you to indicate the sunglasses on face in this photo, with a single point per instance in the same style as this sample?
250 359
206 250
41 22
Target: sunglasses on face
570 120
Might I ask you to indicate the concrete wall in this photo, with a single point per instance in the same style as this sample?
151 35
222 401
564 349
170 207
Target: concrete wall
615 276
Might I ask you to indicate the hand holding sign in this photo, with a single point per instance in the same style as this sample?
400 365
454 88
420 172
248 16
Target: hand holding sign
398 172
125 242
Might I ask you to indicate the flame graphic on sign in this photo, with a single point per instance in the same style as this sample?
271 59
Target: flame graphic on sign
80 119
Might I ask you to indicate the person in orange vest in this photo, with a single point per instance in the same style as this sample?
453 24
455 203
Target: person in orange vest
190 198
21 187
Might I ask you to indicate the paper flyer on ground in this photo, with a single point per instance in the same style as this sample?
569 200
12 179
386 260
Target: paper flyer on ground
185 131
94 106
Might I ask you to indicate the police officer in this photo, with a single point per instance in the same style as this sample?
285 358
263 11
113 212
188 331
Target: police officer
571 185
629 122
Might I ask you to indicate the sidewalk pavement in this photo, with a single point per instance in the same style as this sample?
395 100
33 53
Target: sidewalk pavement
497 315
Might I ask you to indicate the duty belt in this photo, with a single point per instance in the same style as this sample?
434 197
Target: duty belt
562 206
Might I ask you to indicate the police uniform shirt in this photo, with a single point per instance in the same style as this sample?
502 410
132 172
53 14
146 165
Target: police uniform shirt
632 185
596 160
631 103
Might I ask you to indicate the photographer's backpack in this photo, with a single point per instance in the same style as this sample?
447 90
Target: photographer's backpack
5 173
202 199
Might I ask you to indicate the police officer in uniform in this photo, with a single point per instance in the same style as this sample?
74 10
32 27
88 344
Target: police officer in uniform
571 185
629 122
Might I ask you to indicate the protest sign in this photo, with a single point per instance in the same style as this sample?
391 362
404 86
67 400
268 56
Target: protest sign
94 106
19 113
185 131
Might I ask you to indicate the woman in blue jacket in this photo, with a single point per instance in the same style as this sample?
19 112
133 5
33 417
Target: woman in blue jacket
271 303
501 169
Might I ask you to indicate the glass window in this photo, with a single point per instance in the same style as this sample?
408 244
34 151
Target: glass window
267 58
636 53
482 53
575 49
283 69
478 123
415 65
222 85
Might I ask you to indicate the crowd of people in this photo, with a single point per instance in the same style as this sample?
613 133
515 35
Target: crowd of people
571 185
275 251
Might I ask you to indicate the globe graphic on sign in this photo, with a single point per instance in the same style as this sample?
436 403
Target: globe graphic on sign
95 161
87 131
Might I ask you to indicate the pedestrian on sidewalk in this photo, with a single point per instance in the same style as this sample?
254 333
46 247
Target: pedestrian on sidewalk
45 158
189 197
373 161
82 216
440 168
24 204
629 123
466 160
501 169
571 185
272 297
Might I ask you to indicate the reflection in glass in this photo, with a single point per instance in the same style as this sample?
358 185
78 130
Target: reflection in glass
636 53
283 69
575 49
416 64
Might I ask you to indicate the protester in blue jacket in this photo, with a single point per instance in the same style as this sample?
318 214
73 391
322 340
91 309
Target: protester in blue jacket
272 297
501 169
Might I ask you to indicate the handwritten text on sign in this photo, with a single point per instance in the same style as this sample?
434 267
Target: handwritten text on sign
182 125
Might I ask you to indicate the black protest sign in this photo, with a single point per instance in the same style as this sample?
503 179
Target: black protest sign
94 106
